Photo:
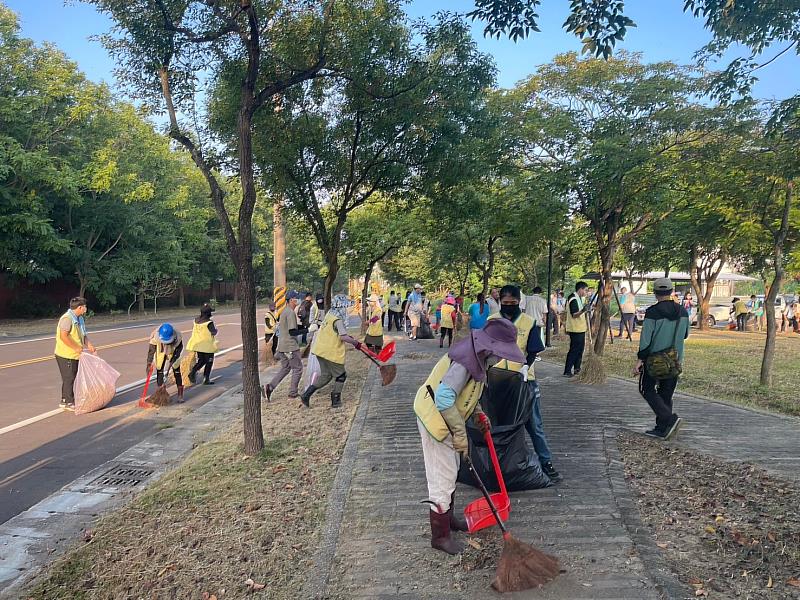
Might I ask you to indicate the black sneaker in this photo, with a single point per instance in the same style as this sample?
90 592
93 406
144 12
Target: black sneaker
673 429
567 375
551 472
62 404
656 433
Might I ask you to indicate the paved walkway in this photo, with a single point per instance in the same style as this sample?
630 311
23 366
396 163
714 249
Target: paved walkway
589 521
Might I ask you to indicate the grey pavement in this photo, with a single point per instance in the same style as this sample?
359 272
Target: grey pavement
589 521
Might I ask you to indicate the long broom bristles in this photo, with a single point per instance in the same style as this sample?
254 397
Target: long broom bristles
523 567
161 397
593 371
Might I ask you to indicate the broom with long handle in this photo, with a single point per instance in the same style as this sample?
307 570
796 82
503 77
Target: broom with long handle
593 371
521 566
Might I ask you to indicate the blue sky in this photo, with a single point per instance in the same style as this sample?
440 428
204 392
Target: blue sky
665 33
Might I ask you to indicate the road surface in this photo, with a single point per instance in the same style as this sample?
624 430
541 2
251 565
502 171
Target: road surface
43 448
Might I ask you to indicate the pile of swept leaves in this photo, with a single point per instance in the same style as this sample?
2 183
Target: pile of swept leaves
223 524
728 530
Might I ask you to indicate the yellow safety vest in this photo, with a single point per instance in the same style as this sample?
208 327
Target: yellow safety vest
202 340
425 406
270 328
327 344
376 328
447 316
575 324
75 335
524 324
164 351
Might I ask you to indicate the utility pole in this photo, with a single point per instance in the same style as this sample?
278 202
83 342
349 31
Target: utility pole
279 255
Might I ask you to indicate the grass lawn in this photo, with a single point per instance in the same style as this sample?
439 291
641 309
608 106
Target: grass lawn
222 524
719 364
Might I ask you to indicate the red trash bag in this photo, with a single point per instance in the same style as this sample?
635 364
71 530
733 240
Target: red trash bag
95 385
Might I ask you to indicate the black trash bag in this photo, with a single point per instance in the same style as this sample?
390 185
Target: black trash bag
507 401
519 464
424 331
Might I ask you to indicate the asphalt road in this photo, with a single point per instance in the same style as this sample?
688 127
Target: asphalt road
43 448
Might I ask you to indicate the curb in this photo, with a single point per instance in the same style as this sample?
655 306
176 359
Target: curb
34 538
317 580
729 403
655 565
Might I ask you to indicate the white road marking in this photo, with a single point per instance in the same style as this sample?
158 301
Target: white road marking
120 390
96 331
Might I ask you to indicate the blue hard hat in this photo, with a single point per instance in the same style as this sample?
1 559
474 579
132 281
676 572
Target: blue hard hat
166 333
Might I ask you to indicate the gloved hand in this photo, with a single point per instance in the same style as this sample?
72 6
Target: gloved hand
458 430
483 423
147 368
524 372
357 345
313 327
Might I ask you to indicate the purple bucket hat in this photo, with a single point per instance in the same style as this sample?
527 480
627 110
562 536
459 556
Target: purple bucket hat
497 338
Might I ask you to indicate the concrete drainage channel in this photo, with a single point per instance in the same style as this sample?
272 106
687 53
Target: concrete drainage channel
35 537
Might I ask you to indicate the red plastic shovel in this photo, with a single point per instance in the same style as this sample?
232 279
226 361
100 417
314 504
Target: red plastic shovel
478 513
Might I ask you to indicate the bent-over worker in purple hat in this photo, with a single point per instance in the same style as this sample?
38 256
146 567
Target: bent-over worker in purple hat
457 380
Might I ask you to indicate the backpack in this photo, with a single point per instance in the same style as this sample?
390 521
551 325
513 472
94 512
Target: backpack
664 364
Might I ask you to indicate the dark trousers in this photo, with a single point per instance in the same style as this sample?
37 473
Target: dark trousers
741 322
658 393
393 317
176 370
554 322
271 338
69 370
577 342
448 333
205 360
535 427
627 323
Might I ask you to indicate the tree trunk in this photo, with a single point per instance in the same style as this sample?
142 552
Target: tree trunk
330 277
141 302
251 385
181 297
155 305
604 298
235 291
365 291
779 238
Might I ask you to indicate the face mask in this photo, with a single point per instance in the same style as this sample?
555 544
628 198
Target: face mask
510 311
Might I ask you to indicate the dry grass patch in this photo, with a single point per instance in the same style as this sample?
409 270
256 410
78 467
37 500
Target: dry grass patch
222 524
718 364
728 530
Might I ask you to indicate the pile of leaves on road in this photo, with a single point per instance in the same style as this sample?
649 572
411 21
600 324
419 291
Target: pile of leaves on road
728 530
223 524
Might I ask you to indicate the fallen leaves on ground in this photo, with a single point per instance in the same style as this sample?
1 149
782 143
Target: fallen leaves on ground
729 530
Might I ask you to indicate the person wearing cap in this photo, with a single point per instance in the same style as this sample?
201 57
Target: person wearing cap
576 327
529 340
448 397
414 309
270 327
288 348
204 343
447 321
329 348
71 339
374 337
166 344
666 326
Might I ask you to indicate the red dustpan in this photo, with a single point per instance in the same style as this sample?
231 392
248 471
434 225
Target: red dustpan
478 513
387 352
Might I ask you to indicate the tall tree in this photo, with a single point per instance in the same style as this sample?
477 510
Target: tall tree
164 48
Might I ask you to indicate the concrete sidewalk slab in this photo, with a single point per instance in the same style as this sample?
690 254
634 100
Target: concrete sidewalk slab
590 521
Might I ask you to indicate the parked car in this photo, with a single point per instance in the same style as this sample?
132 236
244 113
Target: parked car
718 313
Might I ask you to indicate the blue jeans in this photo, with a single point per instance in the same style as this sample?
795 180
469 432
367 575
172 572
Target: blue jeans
534 425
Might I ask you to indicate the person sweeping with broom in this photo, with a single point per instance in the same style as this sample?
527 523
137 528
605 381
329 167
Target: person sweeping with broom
166 344
576 327
329 348
204 343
